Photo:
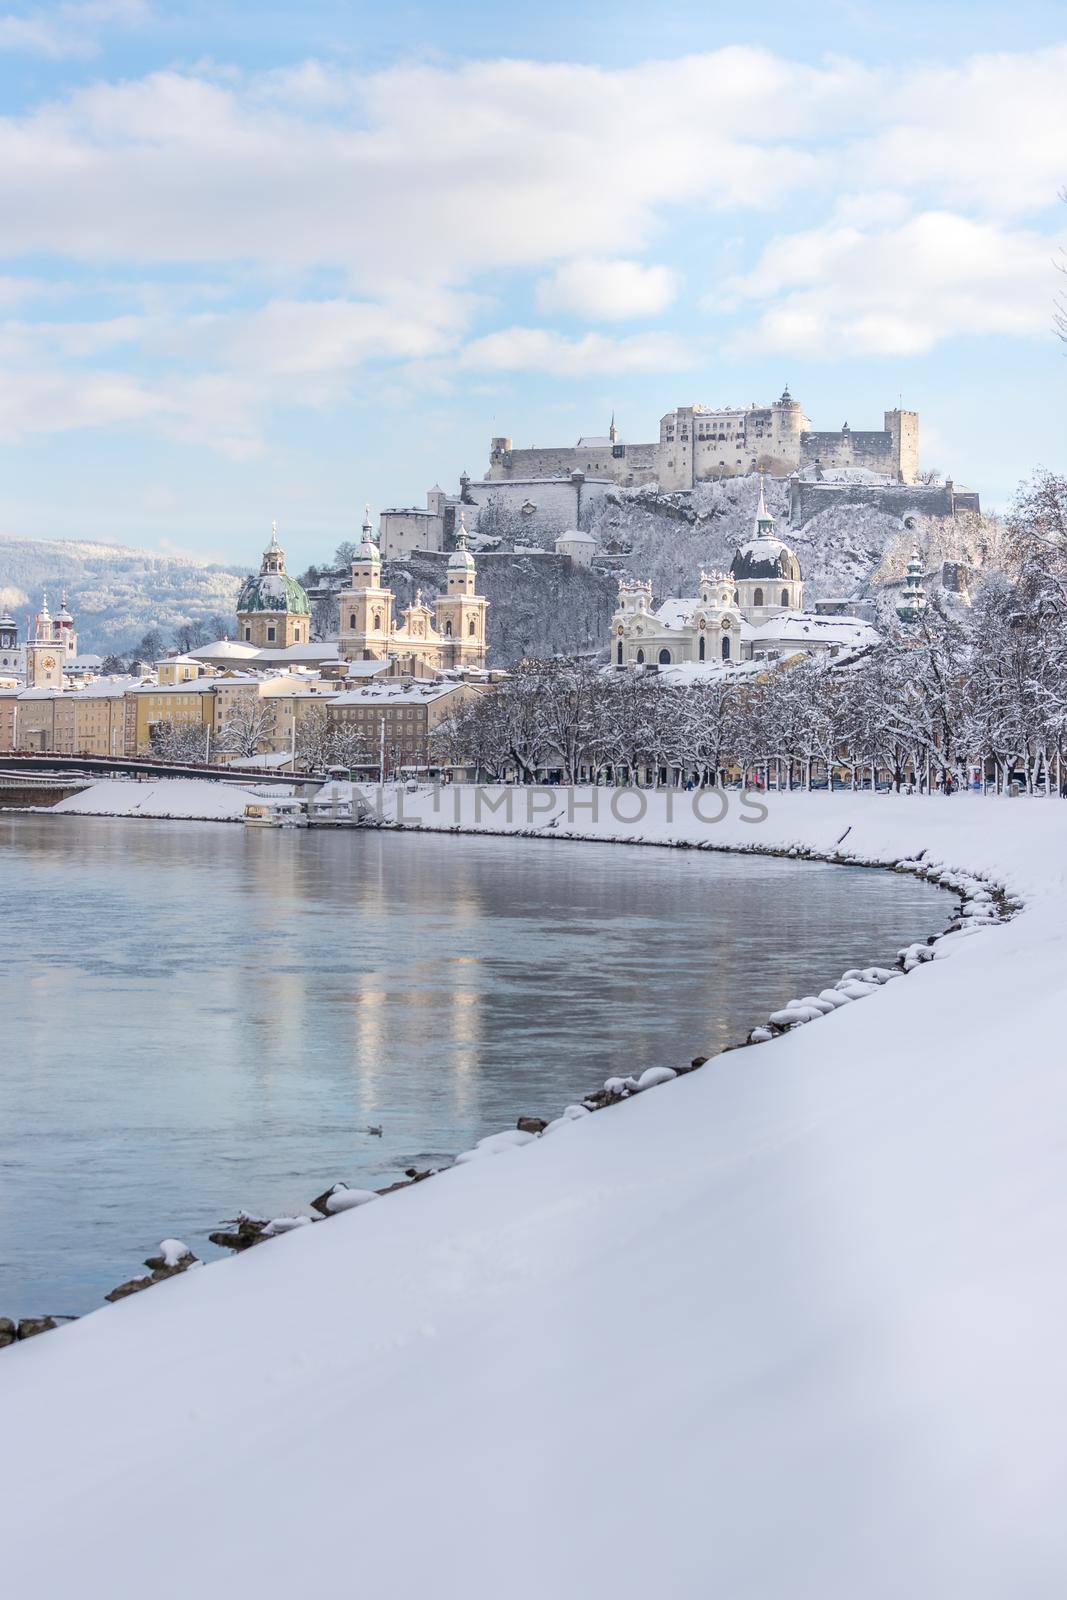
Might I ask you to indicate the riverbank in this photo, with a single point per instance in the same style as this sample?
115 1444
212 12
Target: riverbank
789 1325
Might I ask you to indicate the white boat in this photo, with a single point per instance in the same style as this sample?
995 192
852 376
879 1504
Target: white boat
338 804
280 813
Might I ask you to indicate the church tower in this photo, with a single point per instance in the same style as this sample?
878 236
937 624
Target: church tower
45 652
460 613
366 608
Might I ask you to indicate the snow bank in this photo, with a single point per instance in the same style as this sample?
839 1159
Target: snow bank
790 1326
189 799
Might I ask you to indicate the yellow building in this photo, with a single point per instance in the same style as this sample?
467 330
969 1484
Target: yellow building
156 705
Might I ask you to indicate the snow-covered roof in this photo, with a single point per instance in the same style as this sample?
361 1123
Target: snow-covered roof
574 536
367 669
675 613
223 649
806 627
395 694
324 650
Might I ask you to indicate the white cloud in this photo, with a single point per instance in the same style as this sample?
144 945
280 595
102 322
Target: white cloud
67 31
603 290
844 290
540 350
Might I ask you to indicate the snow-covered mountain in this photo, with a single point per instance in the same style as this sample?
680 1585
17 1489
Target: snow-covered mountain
115 591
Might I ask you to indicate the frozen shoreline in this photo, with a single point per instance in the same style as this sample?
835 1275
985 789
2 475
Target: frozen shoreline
802 1306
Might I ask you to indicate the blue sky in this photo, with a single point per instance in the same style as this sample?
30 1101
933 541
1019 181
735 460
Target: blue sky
274 261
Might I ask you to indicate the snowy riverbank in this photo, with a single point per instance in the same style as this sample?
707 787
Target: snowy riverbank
791 1325
170 799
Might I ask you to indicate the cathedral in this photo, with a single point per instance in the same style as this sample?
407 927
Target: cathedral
752 612
450 635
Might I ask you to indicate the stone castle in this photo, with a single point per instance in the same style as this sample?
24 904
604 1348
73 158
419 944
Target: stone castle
700 443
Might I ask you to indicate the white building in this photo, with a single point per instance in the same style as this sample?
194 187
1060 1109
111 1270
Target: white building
578 547
753 612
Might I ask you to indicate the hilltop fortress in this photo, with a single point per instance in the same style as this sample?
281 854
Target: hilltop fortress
698 444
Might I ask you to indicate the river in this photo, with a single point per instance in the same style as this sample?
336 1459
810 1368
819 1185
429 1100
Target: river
196 1018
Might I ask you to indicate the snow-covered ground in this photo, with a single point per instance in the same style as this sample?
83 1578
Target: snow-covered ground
790 1326
190 799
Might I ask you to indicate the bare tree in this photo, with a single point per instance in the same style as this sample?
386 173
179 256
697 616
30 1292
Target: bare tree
247 729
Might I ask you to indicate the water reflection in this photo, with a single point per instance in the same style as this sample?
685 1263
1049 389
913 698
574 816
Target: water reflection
198 1018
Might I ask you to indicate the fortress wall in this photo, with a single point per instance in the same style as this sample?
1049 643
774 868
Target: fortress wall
636 464
559 502
901 500
875 451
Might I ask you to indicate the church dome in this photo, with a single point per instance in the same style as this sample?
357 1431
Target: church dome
764 555
273 591
765 558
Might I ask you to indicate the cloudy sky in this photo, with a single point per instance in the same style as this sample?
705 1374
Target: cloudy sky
276 260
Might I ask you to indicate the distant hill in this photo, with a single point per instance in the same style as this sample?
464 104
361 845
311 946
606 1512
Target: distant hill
117 593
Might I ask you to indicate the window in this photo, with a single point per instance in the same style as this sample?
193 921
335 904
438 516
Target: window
352 621
618 655
271 632
248 633
641 656
757 598
785 597
377 620
470 628
664 658
702 642
726 647
448 630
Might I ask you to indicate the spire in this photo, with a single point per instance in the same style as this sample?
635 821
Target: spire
912 601
273 555
461 556
613 432
368 549
764 520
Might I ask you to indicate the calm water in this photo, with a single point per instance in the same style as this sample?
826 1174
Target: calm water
197 1018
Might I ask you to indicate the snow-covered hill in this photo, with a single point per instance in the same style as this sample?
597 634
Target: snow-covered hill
116 592
850 549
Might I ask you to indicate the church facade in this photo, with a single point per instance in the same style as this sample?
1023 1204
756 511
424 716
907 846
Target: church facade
447 635
754 611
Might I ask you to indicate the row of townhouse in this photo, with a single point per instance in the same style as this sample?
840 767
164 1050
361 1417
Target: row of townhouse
120 716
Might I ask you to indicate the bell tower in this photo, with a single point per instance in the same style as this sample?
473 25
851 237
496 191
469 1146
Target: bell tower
366 607
460 613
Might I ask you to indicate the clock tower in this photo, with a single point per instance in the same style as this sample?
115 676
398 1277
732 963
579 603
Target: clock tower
45 652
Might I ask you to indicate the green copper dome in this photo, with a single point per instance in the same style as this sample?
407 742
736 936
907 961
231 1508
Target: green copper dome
272 589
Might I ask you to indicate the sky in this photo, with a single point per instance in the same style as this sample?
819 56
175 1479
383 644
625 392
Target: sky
272 261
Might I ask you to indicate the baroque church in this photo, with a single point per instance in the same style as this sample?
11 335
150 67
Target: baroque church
451 634
754 611
272 608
